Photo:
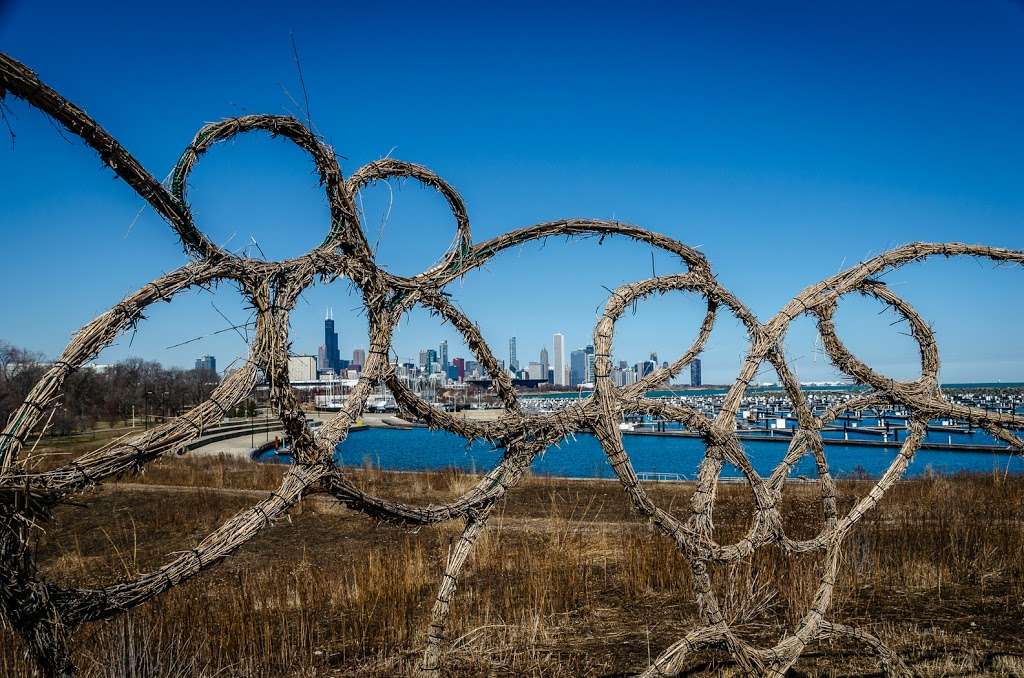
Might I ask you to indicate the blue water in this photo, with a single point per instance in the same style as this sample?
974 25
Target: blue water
421 449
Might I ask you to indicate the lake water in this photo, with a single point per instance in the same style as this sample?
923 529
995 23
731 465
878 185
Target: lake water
420 449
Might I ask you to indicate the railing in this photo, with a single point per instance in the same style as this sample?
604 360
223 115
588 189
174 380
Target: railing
656 477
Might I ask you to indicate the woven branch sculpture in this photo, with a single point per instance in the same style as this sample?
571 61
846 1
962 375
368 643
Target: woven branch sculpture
46 616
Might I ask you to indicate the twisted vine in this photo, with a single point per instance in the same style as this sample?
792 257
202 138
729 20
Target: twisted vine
46 615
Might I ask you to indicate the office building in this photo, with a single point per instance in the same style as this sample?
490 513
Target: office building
358 358
695 377
206 364
332 358
558 345
536 371
301 368
577 367
513 362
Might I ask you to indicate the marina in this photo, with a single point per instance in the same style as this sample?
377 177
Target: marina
769 417
858 442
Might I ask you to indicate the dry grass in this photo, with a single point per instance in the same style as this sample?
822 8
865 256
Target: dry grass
557 587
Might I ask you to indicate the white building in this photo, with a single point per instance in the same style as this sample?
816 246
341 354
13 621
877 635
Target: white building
536 371
561 373
301 368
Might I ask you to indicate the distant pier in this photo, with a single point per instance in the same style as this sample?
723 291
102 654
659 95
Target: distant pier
786 436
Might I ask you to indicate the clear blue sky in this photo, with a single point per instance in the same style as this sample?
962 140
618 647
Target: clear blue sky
787 140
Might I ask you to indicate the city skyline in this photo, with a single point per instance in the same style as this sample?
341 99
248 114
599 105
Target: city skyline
541 370
305 367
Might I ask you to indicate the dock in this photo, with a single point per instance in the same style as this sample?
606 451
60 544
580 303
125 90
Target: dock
786 435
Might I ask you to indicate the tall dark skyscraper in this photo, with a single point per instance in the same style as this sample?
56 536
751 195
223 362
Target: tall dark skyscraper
332 357
513 361
695 379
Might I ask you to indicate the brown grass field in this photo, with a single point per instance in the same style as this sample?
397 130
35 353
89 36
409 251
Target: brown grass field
565 582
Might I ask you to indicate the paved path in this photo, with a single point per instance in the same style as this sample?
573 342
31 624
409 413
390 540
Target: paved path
239 447
266 430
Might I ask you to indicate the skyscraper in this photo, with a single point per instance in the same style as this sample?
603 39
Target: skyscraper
513 362
206 364
544 363
695 373
332 358
460 368
535 371
359 357
444 355
577 367
558 345
589 373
